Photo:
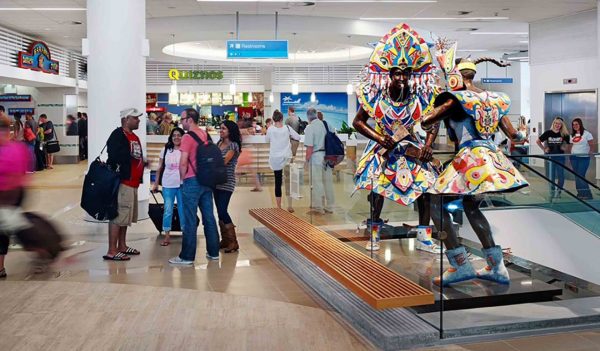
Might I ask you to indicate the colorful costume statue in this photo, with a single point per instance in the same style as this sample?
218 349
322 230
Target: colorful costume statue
472 117
397 87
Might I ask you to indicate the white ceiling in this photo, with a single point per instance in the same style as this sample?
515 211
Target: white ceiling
320 27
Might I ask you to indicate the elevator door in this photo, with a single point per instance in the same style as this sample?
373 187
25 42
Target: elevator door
569 106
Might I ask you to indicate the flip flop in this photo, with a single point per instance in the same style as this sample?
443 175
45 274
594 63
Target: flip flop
165 243
130 251
117 257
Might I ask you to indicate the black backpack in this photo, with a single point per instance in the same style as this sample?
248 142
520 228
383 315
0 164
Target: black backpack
334 148
301 125
210 166
100 190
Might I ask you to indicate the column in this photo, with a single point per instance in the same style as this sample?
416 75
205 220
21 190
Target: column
116 47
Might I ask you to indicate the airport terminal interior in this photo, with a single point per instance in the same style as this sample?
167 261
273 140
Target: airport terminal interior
365 175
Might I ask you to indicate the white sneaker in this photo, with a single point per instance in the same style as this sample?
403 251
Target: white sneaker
428 246
178 260
213 258
372 246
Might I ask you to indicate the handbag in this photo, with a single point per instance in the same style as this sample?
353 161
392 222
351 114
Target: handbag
28 134
53 146
101 190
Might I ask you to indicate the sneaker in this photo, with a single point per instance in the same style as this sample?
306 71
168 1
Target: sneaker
3 273
178 260
372 246
428 246
213 258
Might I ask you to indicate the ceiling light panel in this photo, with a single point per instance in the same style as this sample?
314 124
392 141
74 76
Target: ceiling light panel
42 9
434 18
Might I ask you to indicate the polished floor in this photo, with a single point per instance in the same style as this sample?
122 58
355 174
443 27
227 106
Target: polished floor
242 302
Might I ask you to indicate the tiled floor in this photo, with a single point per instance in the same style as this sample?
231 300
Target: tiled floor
249 278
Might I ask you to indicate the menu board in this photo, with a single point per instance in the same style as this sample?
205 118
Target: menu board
173 99
187 99
227 99
238 99
203 99
216 98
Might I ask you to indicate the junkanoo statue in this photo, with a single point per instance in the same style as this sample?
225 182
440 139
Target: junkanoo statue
472 116
397 87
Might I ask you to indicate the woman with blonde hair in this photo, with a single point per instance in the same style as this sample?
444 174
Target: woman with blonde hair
557 140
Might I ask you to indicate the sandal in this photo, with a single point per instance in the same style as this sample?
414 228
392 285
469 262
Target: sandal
130 251
165 243
3 273
256 190
117 257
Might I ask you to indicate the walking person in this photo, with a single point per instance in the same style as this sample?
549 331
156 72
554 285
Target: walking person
320 174
293 121
230 146
125 153
170 157
82 132
280 152
583 146
30 139
557 141
195 195
18 127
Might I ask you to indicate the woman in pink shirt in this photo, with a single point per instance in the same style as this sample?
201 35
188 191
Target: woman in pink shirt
14 159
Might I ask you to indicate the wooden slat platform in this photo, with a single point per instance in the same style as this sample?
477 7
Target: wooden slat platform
377 285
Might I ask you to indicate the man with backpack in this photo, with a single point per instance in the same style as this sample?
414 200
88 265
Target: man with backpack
321 174
196 193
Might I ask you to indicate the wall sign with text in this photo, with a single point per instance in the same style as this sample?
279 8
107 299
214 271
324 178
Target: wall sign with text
175 74
14 98
38 58
21 110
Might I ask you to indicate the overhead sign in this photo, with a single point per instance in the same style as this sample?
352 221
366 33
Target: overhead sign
257 49
175 74
21 110
14 98
496 80
38 58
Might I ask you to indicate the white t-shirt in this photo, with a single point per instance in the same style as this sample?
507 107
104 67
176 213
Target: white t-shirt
581 143
280 148
171 177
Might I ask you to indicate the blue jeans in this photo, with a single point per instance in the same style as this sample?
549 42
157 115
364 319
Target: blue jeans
580 166
194 196
169 194
555 171
222 198
33 160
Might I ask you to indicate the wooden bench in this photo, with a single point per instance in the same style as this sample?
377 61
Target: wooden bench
376 284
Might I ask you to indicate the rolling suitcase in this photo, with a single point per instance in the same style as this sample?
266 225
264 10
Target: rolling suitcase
156 212
41 235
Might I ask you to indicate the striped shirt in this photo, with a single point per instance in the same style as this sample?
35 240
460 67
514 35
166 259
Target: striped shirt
230 185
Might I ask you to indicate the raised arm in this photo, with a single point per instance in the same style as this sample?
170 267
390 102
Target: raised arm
436 115
510 131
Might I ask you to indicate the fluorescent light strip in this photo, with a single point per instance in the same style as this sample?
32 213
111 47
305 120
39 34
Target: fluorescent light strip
524 42
42 9
499 33
433 18
472 50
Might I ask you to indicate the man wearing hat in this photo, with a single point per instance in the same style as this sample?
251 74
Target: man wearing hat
125 155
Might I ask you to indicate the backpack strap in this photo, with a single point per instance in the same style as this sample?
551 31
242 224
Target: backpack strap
200 142
326 127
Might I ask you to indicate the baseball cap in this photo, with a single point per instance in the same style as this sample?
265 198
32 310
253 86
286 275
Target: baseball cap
130 112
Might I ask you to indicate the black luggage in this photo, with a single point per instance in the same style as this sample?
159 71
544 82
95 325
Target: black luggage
41 235
156 212
100 191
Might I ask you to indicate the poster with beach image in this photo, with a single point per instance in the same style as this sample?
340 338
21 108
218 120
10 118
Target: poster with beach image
333 105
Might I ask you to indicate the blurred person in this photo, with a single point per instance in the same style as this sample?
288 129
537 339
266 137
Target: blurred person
268 123
49 135
320 174
230 145
166 125
246 160
293 121
125 154
583 148
71 125
82 131
169 159
280 152
18 127
195 195
14 161
557 141
320 115
257 128
151 125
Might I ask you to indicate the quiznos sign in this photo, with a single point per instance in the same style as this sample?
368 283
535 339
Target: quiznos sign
38 58
175 74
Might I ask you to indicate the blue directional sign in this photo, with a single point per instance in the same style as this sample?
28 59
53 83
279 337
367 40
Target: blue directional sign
496 80
257 49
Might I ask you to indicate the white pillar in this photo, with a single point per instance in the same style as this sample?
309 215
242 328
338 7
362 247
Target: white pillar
116 45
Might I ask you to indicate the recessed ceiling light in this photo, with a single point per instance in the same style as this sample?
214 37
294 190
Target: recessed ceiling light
524 41
499 33
42 9
47 29
433 18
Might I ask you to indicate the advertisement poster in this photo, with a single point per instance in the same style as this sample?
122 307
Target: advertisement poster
333 105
